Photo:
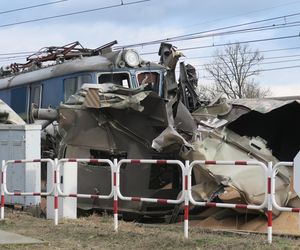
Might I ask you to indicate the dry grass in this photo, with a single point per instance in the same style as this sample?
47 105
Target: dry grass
96 232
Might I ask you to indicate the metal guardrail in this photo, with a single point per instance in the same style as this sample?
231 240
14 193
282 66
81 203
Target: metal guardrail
86 196
231 205
146 199
186 194
4 190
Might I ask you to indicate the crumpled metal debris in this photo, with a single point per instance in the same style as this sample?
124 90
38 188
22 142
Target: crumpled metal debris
264 130
108 120
8 116
206 134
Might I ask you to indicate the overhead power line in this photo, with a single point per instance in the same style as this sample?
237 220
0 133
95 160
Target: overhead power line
170 39
31 7
265 58
232 43
261 70
280 68
264 51
243 14
243 31
17 53
259 63
73 13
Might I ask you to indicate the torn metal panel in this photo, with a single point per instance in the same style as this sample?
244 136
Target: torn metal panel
187 85
266 130
8 116
169 58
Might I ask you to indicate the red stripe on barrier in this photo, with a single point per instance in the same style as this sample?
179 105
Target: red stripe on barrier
72 195
269 218
186 212
242 206
161 162
211 204
135 198
296 210
36 194
17 161
72 160
2 200
94 196
93 161
240 163
186 182
135 161
36 160
162 201
55 202
115 206
269 185
115 179
17 193
210 162
55 179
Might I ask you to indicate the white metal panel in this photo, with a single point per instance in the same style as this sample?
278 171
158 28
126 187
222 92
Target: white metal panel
32 171
21 142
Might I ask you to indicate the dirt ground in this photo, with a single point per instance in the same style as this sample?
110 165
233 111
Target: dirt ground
96 232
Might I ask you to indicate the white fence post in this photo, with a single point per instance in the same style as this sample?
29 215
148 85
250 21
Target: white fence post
115 195
270 218
2 190
186 199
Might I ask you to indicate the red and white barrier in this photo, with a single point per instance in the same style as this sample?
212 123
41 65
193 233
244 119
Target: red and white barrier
4 190
152 200
229 205
186 195
86 196
274 173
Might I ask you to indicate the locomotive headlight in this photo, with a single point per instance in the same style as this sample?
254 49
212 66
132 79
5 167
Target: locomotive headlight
132 58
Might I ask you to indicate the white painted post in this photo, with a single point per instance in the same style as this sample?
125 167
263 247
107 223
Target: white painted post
186 199
2 190
115 195
270 191
56 182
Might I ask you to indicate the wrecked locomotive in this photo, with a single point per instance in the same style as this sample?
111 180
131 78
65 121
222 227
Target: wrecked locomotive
123 111
116 105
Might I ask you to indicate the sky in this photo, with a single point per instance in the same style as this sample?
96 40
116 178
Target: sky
139 21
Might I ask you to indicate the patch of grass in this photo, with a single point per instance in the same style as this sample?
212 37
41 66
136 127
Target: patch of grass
96 232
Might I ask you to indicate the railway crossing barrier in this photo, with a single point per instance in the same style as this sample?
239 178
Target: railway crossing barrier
267 198
274 202
4 190
145 199
186 194
60 193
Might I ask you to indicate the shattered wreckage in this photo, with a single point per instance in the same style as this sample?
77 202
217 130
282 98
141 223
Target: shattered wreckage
163 119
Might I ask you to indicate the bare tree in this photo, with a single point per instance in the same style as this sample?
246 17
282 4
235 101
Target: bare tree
233 71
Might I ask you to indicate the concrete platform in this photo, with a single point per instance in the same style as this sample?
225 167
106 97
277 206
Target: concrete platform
13 238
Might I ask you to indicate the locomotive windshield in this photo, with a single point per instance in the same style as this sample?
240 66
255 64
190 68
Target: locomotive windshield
120 78
151 79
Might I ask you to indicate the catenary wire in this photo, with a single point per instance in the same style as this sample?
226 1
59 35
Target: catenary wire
31 7
73 13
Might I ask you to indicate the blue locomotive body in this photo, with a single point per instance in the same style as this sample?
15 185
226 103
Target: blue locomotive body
48 86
